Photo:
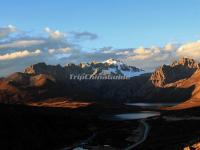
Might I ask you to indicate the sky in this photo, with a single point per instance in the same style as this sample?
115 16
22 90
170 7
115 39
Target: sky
132 30
119 23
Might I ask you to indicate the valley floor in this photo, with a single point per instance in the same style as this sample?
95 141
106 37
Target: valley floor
34 128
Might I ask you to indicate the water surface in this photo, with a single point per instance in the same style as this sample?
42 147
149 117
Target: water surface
151 105
132 116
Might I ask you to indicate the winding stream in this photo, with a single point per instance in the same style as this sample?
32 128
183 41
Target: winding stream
141 116
145 135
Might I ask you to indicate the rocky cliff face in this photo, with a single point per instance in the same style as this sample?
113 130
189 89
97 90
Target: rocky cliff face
194 99
178 70
41 81
164 84
108 67
57 71
169 83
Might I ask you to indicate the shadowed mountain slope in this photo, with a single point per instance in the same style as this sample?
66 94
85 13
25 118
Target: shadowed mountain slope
169 83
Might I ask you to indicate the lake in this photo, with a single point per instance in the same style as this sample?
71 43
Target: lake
151 105
137 115
132 116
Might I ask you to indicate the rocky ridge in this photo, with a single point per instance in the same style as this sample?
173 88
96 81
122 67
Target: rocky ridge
108 67
169 83
181 69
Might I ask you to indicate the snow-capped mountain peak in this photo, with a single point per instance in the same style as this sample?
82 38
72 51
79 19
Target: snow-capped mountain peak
112 61
116 66
107 67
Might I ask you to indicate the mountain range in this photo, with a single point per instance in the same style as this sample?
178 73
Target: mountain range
177 82
108 67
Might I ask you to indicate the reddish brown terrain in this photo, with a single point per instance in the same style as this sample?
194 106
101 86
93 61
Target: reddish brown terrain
50 86
177 82
194 100
41 108
60 102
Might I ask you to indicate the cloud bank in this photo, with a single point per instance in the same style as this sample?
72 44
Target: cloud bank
6 31
54 46
19 54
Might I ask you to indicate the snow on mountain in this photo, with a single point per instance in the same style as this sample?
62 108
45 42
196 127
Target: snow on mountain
108 67
113 61
132 73
117 67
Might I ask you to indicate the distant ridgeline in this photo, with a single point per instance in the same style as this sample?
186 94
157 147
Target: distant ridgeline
41 81
109 67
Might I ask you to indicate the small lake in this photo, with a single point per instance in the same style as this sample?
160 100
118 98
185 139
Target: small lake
151 105
132 116
140 114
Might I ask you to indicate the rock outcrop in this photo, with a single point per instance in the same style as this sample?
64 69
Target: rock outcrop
181 69
163 85
110 66
194 99
169 83
41 81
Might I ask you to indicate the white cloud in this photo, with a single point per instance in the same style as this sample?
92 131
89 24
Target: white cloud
19 54
65 49
51 51
5 31
142 53
126 52
54 34
56 47
151 58
190 50
60 50
21 43
170 47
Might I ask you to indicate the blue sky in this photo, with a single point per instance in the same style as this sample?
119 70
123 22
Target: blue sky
118 23
142 33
